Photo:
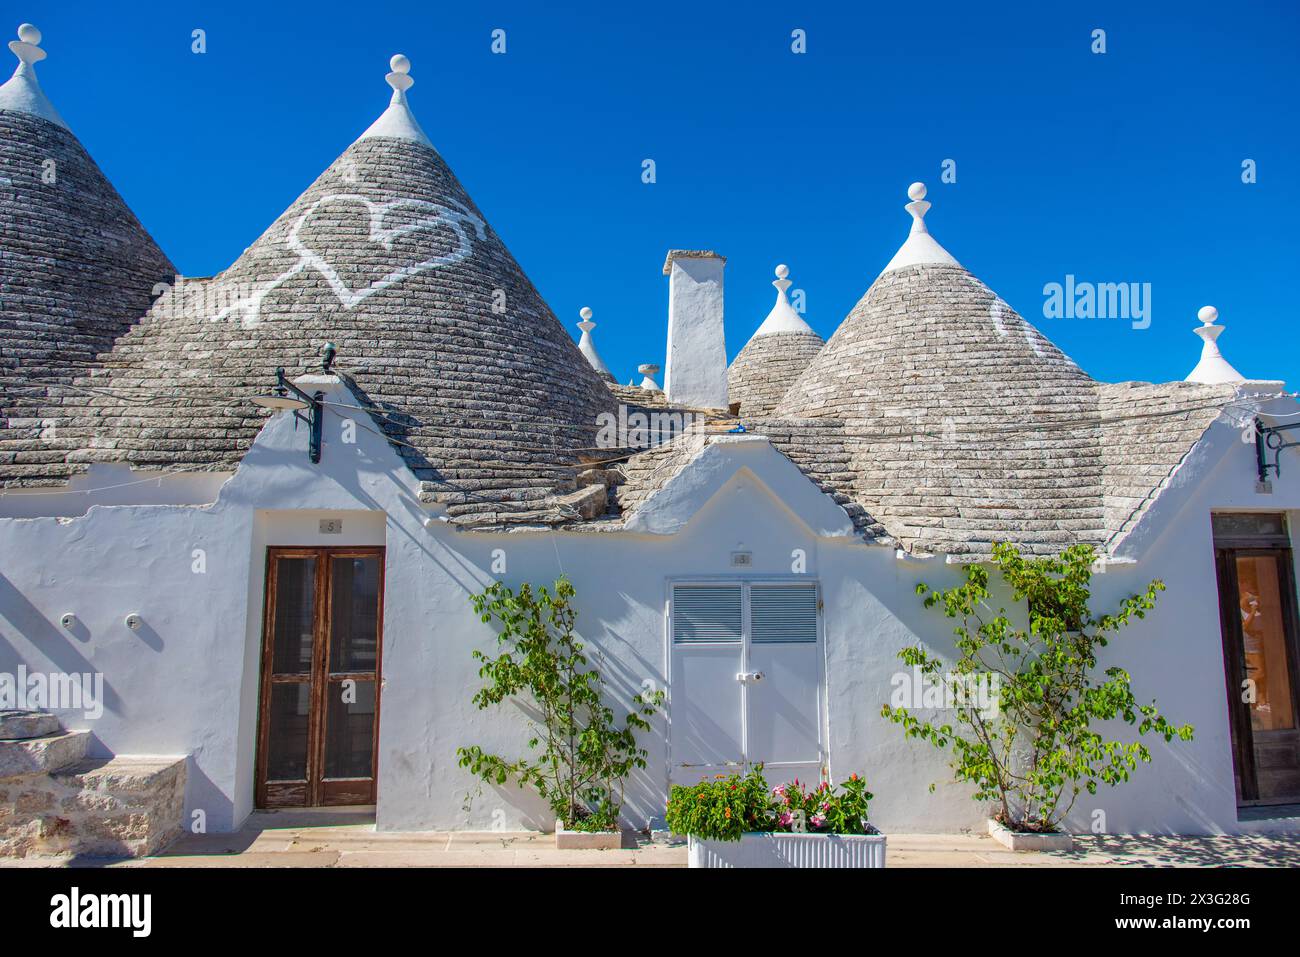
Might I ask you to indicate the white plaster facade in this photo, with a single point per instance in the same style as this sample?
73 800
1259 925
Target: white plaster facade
155 580
186 682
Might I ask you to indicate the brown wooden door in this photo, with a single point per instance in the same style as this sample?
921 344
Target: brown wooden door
318 727
1261 655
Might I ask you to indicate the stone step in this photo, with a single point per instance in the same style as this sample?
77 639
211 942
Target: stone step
27 724
127 806
42 755
122 775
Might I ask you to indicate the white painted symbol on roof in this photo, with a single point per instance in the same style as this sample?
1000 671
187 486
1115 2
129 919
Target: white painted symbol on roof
997 310
455 218
1002 314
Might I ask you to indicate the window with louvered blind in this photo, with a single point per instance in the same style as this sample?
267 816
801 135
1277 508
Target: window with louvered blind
781 613
707 613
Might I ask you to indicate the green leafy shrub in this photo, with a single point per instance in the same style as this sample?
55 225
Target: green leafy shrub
1038 743
583 753
728 806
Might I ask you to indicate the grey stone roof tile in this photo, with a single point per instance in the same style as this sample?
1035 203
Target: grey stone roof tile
440 333
766 367
76 268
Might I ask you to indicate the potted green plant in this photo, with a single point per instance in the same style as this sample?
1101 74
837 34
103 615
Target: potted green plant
1036 749
736 821
581 753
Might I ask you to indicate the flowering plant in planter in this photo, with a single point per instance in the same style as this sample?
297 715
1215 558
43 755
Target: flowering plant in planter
729 806
734 821
824 809
722 809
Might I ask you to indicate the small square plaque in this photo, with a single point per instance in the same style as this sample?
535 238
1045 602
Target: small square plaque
331 526
742 559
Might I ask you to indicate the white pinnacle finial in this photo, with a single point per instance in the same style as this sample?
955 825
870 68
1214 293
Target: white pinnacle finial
918 207
1213 369
400 79
649 370
27 48
920 248
782 318
588 348
22 93
398 121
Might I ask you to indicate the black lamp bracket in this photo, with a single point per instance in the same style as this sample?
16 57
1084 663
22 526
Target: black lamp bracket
313 415
1271 440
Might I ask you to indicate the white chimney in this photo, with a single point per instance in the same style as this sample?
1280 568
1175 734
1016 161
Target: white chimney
696 372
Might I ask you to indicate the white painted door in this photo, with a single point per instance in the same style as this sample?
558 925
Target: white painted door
784 705
706 632
745 680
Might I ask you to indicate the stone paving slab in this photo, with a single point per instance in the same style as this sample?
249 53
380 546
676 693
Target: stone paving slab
360 845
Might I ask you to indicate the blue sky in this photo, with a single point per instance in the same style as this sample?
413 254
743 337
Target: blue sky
1120 167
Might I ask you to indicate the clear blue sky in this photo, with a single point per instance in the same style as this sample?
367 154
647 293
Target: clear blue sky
1122 167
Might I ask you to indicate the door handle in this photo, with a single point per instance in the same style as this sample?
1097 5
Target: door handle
747 676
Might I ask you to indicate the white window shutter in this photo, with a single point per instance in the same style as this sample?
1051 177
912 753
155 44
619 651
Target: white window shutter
781 613
707 613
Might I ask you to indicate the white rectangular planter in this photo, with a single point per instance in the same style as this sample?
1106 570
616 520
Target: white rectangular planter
566 840
772 849
1022 841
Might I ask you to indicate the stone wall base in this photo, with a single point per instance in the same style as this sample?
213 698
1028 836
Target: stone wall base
63 804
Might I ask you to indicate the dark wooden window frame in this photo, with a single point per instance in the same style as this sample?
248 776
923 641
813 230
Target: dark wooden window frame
1226 551
316 790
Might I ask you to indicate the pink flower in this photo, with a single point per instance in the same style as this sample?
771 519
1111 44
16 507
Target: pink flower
785 819
826 805
818 820
779 790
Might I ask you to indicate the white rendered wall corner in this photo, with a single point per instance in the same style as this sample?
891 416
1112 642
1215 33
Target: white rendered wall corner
696 372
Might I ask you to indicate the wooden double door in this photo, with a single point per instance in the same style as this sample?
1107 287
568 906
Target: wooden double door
1257 595
318 725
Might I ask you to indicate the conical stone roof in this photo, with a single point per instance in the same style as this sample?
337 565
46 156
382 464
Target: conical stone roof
437 328
778 352
76 267
963 422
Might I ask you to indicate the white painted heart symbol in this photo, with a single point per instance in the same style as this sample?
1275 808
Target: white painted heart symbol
436 217
432 216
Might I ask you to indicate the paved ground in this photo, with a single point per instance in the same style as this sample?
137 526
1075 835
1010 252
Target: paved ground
314 839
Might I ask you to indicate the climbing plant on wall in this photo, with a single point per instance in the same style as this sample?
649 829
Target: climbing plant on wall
1036 749
580 753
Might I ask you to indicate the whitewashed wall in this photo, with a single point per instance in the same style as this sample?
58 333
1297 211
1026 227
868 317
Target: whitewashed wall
1175 655
186 683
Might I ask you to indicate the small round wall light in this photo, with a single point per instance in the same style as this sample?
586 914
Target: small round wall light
134 621
68 619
